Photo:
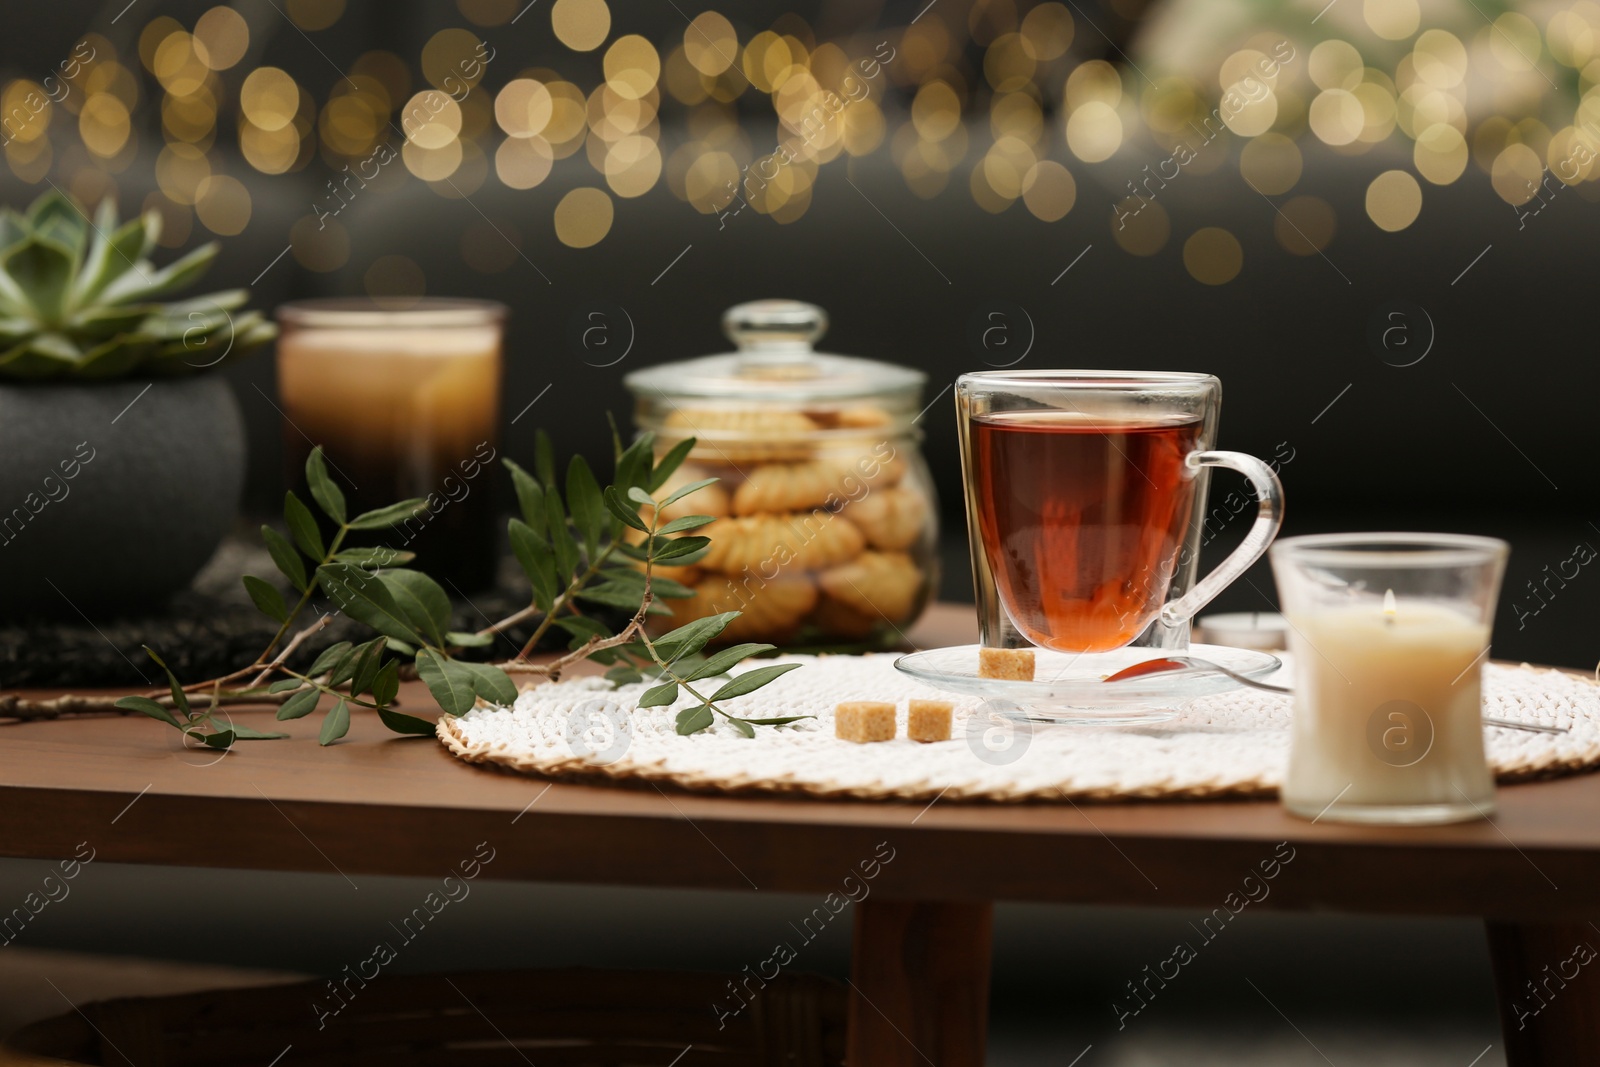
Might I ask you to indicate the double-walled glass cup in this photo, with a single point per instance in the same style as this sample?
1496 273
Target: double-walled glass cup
1085 503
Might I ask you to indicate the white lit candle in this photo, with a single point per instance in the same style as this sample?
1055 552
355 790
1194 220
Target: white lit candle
1388 710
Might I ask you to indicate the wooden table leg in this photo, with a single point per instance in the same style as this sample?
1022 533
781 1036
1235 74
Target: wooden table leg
1547 978
920 984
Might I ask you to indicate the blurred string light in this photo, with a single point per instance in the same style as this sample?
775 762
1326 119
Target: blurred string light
996 100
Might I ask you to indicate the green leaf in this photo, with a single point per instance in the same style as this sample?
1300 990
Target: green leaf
393 515
374 558
299 705
402 723
367 667
43 269
750 681
659 696
449 681
688 522
219 739
642 498
329 497
491 683
335 724
669 589
612 595
283 685
57 213
329 658
140 286
466 640
684 490
692 637
149 707
111 257
302 526
725 660
626 514
782 720
742 726
536 561
394 644
342 671
680 547
179 697
246 733
530 497
387 684
266 599
422 601
624 674
693 720
582 627
588 509
284 555
544 459
669 463
366 599
562 543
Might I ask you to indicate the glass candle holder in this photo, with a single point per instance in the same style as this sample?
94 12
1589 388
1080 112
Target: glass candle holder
406 403
1388 634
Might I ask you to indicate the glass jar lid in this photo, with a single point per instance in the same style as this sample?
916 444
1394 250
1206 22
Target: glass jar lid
776 363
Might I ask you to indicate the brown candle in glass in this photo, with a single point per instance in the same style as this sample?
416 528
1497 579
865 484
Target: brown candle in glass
406 403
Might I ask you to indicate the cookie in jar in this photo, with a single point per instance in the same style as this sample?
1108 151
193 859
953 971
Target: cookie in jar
826 526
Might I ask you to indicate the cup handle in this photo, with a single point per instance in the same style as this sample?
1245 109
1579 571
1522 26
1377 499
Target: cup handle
1269 517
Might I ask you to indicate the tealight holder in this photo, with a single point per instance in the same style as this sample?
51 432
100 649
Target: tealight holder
1388 633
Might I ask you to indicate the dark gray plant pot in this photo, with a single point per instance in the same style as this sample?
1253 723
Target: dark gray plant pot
155 476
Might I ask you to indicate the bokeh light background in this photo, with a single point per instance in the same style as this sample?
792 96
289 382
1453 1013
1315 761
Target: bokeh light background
1007 101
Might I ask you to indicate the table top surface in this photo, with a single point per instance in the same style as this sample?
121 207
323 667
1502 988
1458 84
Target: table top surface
381 804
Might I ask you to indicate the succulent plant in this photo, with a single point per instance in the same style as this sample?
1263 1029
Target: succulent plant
78 299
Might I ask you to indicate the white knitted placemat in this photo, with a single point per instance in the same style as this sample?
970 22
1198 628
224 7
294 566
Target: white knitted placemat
1236 744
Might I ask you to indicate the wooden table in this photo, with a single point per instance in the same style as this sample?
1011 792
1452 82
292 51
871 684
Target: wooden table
377 804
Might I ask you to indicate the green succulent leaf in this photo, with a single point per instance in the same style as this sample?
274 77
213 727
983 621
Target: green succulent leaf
42 269
329 497
112 255
139 285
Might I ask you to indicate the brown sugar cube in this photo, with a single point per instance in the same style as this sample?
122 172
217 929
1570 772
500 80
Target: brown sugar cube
864 720
1012 664
929 720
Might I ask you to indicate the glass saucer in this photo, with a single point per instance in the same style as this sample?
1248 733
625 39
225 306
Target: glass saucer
1071 687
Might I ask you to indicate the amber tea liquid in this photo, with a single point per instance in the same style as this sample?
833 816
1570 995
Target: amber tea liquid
1081 521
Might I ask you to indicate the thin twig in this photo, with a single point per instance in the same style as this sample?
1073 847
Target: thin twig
24 709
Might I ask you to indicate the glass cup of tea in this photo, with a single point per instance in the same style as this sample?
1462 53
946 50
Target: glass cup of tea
1085 504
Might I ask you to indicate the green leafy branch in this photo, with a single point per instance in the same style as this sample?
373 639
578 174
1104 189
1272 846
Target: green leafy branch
588 553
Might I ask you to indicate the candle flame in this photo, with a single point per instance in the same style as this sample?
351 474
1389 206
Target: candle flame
1388 604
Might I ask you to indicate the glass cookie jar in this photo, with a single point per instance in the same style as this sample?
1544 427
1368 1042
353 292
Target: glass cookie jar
826 526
